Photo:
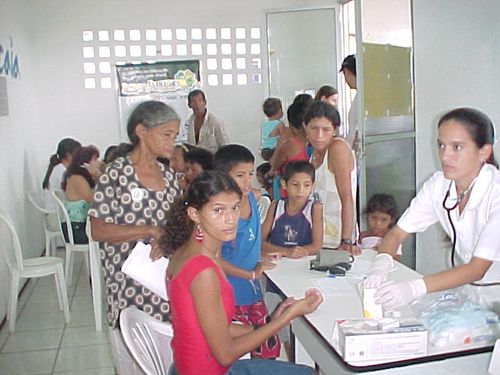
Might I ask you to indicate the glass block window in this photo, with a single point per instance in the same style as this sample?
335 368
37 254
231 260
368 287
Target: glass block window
231 55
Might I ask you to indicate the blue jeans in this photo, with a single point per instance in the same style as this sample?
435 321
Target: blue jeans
262 366
267 366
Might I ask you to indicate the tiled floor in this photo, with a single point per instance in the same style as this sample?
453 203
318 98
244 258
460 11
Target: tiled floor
44 344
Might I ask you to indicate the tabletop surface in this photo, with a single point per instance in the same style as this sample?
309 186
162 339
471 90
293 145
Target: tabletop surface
342 297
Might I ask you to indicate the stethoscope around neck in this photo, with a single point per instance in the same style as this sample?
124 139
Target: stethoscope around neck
452 207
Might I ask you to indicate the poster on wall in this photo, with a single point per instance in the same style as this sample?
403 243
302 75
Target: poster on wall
167 81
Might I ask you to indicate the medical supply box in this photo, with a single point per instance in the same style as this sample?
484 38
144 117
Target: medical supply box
380 339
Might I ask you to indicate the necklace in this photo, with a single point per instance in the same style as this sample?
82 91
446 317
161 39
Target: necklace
466 191
291 209
316 161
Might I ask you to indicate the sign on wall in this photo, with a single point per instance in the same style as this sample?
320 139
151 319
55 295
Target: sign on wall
167 81
178 77
9 60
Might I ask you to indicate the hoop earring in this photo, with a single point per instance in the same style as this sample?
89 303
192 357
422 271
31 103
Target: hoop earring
198 236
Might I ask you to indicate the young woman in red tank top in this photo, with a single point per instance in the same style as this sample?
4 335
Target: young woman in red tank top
202 305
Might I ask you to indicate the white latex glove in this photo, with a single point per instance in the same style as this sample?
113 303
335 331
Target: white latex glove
398 293
379 271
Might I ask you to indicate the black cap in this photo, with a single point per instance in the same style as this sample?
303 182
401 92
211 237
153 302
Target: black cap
349 63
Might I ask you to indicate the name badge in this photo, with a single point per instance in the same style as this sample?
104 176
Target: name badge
137 194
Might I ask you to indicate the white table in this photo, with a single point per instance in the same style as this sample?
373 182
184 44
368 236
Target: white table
315 331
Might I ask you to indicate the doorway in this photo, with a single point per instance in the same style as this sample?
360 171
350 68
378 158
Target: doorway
302 51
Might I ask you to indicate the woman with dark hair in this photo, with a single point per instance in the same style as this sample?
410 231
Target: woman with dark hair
78 185
178 158
118 151
178 162
196 161
335 165
109 154
327 94
465 199
130 204
205 338
56 169
303 98
293 148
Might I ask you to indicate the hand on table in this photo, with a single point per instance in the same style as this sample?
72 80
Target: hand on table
271 257
297 252
352 249
294 308
311 301
398 293
283 306
379 271
263 266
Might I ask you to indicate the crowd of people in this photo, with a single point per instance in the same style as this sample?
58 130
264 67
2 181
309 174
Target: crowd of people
195 204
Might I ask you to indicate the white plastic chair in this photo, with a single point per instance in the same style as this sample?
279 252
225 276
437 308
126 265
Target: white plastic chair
70 245
148 340
263 205
28 268
51 235
95 275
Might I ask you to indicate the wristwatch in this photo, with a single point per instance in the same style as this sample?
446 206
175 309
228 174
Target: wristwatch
346 241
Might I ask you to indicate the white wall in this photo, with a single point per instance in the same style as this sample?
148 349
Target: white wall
456 64
91 115
49 101
20 135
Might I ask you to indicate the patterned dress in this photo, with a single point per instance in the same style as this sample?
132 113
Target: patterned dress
120 198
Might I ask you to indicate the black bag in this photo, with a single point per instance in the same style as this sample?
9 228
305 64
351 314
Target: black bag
335 261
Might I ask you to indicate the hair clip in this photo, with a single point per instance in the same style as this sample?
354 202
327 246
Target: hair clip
183 146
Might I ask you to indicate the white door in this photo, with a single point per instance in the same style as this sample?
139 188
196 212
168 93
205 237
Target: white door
302 51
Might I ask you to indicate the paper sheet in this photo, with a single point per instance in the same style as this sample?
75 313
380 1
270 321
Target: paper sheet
142 269
360 267
334 286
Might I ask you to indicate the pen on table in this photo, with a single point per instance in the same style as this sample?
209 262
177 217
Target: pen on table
333 276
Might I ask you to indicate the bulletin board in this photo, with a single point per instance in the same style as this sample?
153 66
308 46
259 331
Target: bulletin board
387 80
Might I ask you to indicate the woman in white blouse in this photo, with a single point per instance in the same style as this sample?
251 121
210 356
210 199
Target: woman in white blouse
56 170
465 199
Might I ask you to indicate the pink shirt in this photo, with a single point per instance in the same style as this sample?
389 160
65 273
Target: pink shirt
191 352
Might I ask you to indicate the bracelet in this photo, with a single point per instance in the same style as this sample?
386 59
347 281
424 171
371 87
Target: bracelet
253 275
346 241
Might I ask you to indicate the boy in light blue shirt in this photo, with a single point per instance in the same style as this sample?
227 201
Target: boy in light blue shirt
271 129
241 258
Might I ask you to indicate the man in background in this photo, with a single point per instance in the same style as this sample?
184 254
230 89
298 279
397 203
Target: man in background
349 69
204 129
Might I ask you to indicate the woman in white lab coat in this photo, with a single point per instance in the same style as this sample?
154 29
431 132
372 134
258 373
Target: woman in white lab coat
465 199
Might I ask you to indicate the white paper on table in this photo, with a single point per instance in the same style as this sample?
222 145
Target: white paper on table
333 286
142 269
360 267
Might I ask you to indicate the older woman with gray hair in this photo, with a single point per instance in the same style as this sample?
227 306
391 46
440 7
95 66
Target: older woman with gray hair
130 202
